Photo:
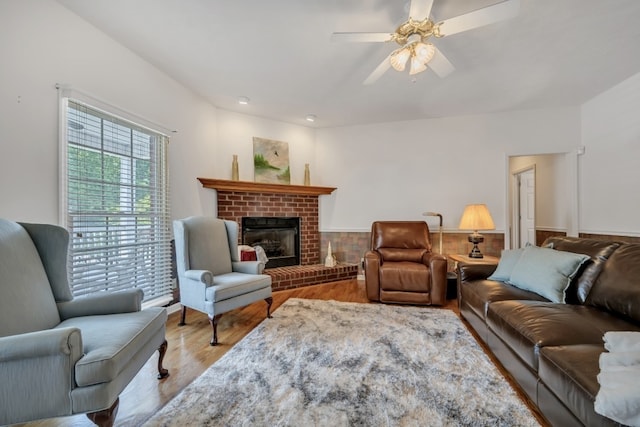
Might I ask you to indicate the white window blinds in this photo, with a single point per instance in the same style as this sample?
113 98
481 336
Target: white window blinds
117 204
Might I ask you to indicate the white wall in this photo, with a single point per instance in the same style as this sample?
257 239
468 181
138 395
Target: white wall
382 171
235 135
41 44
399 170
610 168
236 132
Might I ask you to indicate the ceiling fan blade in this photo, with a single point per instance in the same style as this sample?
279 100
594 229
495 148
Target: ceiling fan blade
478 18
440 64
378 72
420 9
361 37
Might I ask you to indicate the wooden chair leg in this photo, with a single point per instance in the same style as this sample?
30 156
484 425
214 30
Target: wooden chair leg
162 372
269 302
182 317
214 326
106 417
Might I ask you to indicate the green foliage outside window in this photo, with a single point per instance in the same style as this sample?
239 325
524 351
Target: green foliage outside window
95 180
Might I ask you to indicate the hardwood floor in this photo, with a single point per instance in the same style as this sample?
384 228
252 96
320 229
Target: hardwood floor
189 353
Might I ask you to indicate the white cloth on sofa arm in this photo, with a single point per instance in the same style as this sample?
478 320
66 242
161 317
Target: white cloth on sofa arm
619 359
261 255
622 341
619 395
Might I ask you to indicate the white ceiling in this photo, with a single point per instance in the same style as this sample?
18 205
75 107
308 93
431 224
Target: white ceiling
279 54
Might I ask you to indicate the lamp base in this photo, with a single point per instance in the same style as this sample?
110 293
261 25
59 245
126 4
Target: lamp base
475 238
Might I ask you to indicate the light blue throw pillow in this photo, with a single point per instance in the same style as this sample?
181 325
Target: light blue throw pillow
547 272
508 260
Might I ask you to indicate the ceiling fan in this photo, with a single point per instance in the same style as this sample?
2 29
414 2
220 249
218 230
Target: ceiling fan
413 37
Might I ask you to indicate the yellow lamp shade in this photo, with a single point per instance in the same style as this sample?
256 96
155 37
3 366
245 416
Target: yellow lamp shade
476 217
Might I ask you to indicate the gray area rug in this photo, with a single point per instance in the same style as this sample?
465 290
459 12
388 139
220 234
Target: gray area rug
328 363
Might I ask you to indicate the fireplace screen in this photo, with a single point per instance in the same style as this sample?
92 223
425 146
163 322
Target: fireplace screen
278 236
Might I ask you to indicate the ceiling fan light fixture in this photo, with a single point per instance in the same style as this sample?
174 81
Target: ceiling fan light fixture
417 66
414 34
424 52
399 58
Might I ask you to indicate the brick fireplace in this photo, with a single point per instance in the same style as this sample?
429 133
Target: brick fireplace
233 205
238 199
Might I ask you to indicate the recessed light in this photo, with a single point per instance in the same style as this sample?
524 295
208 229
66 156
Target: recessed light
311 117
243 100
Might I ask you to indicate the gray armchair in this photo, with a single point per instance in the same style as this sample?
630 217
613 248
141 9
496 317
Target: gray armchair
211 277
61 355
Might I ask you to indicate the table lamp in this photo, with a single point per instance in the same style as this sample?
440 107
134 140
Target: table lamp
476 217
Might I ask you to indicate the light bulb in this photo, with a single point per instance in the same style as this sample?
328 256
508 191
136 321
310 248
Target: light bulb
416 66
424 52
399 58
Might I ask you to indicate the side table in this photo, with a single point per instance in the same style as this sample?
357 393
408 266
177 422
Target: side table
465 259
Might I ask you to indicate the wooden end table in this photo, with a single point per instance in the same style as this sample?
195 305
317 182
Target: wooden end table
465 259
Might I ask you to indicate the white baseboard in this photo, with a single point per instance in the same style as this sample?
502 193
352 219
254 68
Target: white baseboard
174 307
555 229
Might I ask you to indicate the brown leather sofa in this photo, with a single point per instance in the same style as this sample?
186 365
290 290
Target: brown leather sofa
552 349
400 267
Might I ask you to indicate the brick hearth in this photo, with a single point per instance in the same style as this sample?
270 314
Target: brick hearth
304 275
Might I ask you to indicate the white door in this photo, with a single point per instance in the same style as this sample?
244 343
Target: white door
527 207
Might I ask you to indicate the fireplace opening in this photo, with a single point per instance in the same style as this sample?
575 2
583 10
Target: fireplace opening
278 236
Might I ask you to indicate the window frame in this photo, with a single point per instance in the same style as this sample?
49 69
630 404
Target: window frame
154 253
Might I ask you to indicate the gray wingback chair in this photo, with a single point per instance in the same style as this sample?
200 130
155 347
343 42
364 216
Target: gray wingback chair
211 277
61 355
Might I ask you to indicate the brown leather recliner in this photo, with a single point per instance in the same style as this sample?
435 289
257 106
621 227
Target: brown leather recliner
400 267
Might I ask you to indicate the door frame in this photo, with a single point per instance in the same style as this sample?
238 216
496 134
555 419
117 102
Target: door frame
573 223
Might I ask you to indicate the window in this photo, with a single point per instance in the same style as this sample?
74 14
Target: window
117 208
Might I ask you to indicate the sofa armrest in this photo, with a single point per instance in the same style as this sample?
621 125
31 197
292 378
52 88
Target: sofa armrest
105 303
248 267
37 371
438 266
202 276
432 259
39 344
372 262
470 272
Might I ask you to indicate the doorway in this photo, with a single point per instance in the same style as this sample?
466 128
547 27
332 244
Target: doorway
525 207
552 206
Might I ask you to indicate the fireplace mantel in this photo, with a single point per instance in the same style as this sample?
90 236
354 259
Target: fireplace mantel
260 187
